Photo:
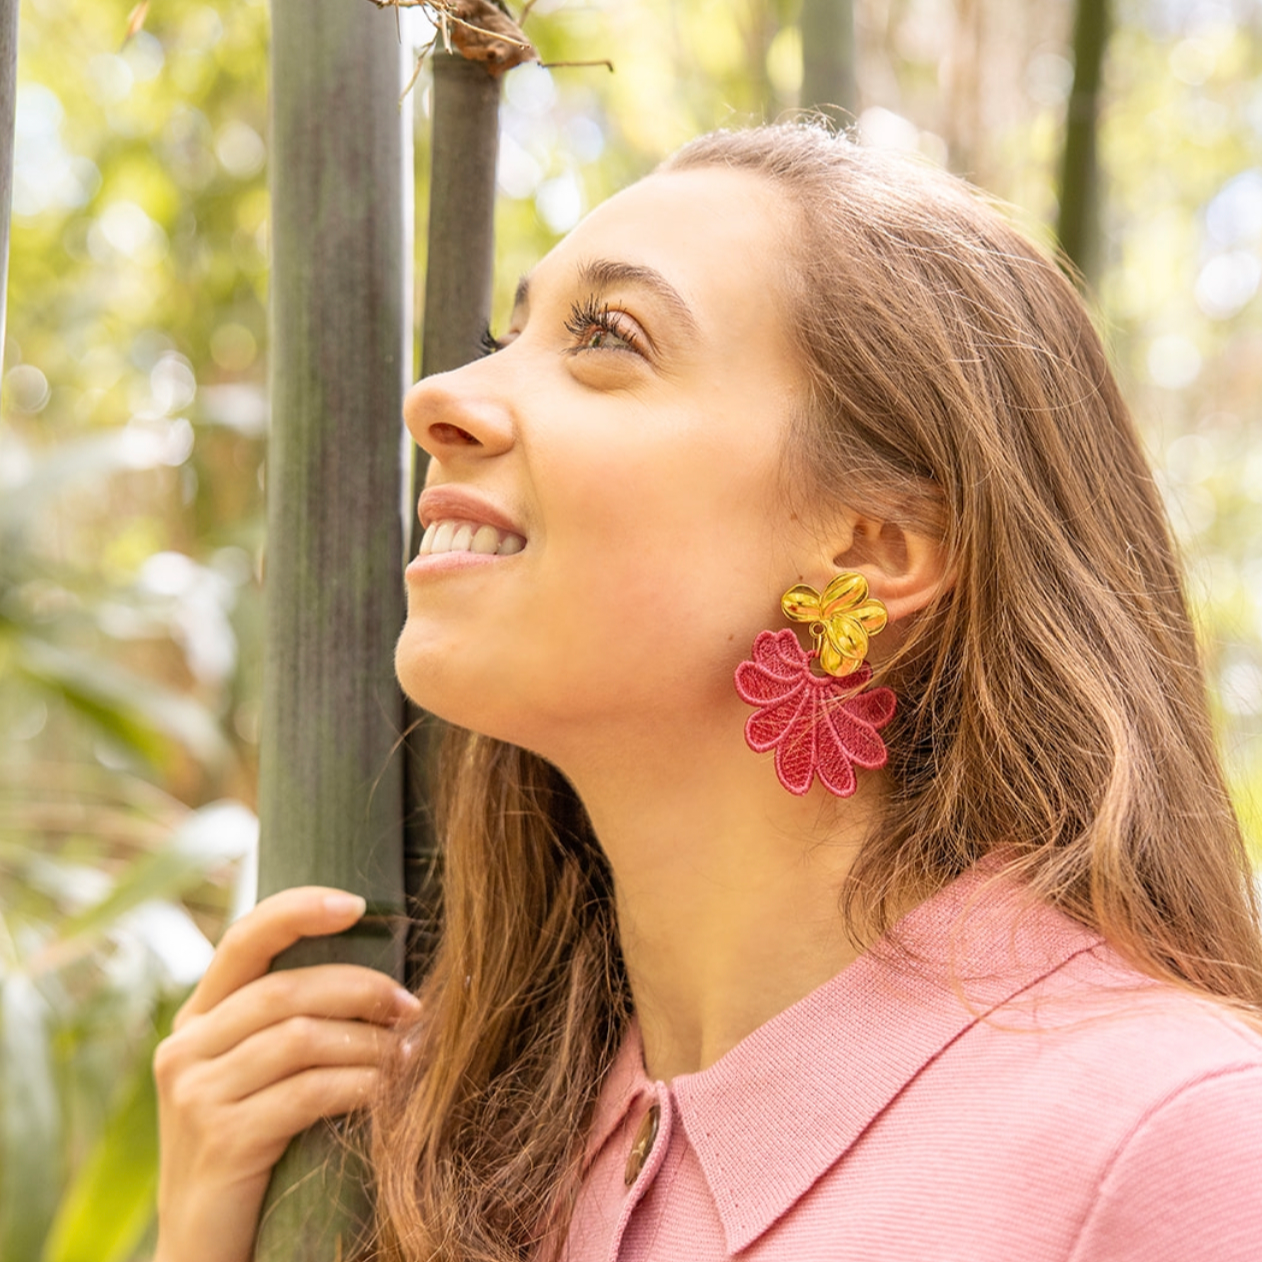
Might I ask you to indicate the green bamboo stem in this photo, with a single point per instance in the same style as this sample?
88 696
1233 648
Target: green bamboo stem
828 60
330 792
8 106
1078 222
458 275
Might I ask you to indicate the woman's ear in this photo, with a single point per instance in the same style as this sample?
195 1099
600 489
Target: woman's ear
905 570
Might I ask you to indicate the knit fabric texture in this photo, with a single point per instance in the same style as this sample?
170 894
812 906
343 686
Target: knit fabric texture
988 1083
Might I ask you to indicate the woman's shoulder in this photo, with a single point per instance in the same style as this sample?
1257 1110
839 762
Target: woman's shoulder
1044 1007
1097 1031
1144 1096
1083 1109
1111 1022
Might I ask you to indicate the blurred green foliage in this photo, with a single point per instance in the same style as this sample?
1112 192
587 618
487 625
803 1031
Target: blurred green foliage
133 417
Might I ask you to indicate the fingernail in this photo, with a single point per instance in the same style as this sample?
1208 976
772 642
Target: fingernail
405 998
345 904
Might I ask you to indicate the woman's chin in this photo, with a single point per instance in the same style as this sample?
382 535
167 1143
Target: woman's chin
420 669
435 681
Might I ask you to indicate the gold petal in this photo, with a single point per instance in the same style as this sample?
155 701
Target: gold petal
844 592
801 603
871 616
847 637
833 662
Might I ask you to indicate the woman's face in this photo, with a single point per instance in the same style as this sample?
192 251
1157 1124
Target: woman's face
623 448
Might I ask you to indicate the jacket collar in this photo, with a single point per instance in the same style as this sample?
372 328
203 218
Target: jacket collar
769 1118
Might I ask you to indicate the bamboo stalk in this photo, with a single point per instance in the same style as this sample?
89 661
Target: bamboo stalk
458 275
8 106
330 792
828 60
461 250
1078 222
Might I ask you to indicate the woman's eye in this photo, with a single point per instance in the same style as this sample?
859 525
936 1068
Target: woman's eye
599 328
598 338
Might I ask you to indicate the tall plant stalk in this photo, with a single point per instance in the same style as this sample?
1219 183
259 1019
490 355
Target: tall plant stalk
330 791
828 60
458 274
8 105
1078 222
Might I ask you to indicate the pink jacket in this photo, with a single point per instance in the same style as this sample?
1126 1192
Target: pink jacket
1008 1092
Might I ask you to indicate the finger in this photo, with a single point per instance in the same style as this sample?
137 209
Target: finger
346 992
251 944
210 1141
291 1048
285 1108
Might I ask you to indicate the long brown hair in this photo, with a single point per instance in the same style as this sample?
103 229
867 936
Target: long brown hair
1052 701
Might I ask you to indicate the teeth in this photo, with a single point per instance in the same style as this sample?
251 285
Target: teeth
467 536
442 540
486 540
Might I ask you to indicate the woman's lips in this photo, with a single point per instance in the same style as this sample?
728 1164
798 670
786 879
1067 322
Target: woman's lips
451 502
445 562
462 529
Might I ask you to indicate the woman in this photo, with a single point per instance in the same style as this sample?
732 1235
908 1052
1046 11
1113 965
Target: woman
960 962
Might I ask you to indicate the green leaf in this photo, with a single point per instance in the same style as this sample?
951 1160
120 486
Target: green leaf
134 710
210 836
30 1121
109 1206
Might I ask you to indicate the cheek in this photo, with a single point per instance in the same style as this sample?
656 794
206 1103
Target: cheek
654 561
674 560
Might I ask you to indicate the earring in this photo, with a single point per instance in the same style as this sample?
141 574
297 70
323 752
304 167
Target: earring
819 725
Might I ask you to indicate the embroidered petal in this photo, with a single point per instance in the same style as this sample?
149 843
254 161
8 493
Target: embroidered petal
770 725
858 740
778 669
875 707
835 770
795 752
818 725
780 653
759 686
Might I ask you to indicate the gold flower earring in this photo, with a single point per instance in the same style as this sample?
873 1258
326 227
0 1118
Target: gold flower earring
819 725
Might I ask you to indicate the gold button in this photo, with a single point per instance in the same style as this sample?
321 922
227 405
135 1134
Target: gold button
643 1145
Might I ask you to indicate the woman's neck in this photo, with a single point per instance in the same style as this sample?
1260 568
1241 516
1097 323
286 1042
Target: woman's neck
727 887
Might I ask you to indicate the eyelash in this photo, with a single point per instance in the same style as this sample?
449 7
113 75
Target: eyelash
590 315
584 316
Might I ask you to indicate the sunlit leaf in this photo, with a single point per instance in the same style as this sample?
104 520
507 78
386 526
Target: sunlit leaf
208 838
111 1202
30 1120
135 710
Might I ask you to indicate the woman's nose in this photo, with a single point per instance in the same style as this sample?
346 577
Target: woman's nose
454 413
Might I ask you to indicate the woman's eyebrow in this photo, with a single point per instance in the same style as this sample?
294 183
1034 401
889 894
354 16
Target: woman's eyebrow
603 274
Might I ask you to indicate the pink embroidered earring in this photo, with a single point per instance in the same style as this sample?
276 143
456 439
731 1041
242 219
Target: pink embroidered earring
819 725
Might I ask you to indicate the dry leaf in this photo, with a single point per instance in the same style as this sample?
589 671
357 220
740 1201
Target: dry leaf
136 20
481 32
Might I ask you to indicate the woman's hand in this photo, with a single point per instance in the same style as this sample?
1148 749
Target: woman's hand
254 1058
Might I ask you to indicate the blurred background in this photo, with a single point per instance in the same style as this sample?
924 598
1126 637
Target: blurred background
134 417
